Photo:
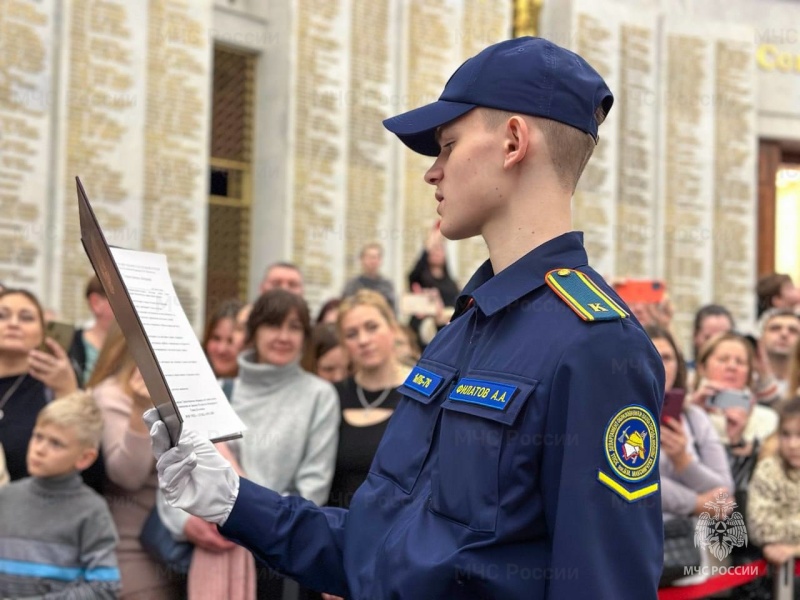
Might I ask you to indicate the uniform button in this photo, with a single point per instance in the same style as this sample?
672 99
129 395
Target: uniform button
563 272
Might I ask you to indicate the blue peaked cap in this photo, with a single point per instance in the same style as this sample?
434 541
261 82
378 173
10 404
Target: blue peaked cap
527 75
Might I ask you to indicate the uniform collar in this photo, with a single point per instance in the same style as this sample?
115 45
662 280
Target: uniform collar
492 293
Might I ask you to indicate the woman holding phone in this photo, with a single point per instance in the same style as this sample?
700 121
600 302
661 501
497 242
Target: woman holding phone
34 369
694 466
725 366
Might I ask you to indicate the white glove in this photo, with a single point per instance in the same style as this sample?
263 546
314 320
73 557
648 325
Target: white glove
193 475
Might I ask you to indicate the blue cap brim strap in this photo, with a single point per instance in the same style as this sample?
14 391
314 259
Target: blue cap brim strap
417 128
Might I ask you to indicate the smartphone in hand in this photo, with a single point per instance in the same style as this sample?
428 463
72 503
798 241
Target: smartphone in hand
673 404
641 291
61 332
730 399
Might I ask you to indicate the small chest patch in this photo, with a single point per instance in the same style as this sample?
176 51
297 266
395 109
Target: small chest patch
423 381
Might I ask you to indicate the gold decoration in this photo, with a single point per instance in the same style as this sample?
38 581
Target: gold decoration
526 17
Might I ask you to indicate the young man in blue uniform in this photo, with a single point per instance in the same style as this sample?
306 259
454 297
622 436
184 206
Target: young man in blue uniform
523 461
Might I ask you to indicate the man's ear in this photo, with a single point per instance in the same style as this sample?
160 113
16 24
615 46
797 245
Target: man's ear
86 459
517 140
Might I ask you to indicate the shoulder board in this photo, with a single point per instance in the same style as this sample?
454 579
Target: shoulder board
588 301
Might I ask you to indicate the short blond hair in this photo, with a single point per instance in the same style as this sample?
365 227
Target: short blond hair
79 411
570 149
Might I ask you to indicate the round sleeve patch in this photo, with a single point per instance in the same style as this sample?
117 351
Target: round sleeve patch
631 443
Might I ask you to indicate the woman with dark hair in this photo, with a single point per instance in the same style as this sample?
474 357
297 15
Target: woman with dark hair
693 465
219 342
431 276
329 311
30 376
324 355
292 416
710 320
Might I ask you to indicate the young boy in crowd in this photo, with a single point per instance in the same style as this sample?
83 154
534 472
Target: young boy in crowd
57 539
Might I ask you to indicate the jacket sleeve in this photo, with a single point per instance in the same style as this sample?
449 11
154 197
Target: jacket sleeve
712 469
292 535
594 516
315 473
676 498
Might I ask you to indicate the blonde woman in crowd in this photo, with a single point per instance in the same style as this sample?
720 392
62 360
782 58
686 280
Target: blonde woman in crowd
33 371
726 365
131 484
368 330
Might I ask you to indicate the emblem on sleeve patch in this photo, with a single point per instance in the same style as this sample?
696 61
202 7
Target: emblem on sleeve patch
580 293
631 443
631 448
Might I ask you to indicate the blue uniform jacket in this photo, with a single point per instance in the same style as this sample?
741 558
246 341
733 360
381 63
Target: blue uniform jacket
549 491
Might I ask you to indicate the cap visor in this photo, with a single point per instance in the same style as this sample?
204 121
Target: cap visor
417 128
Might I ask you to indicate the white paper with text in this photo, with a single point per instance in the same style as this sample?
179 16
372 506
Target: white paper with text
188 374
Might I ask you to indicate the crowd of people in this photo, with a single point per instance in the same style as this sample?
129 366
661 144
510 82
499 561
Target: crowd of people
316 398
734 442
87 468
316 395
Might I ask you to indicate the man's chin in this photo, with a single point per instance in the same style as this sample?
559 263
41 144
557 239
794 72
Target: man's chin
454 233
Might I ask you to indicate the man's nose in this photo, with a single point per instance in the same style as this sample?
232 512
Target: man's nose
434 175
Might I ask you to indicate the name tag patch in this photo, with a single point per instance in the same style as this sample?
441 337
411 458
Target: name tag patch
486 393
423 381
